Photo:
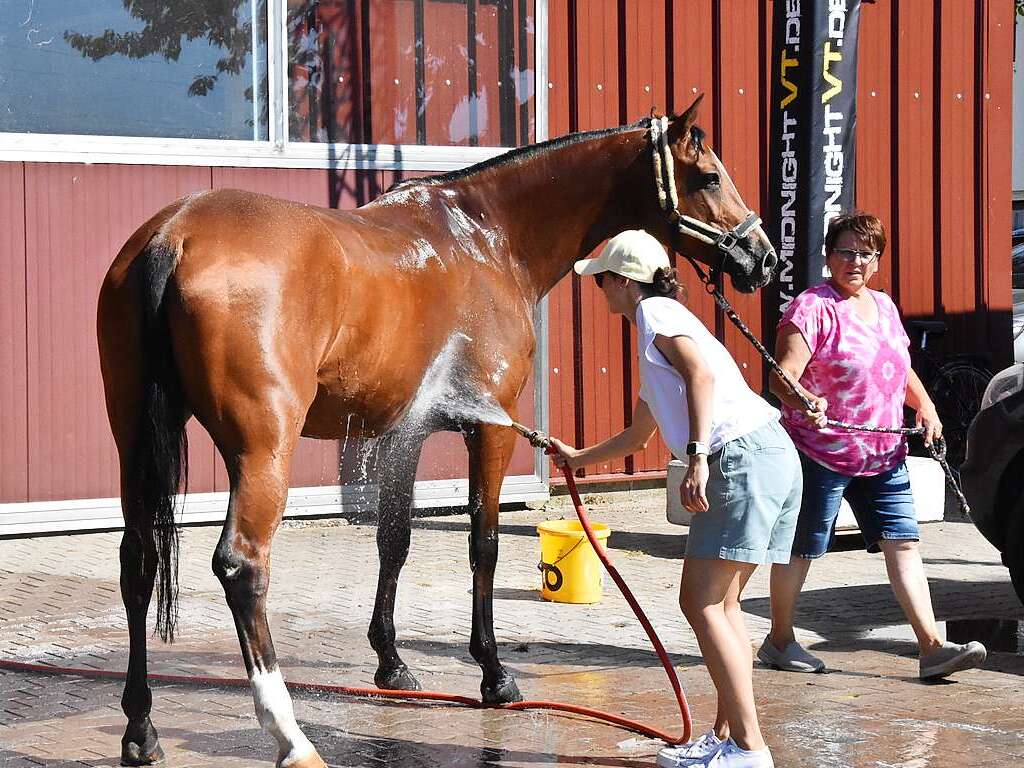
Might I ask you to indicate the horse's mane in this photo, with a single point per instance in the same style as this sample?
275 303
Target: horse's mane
517 156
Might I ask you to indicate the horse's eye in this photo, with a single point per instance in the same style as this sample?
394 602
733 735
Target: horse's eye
711 180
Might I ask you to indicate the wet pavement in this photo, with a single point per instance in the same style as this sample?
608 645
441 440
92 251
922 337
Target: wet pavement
60 605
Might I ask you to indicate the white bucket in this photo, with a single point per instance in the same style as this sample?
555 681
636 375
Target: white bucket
674 510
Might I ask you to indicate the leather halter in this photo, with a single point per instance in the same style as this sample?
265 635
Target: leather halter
726 242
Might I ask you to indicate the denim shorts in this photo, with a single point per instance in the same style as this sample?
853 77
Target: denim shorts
882 504
754 496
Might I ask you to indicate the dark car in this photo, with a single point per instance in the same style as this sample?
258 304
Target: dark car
993 472
1017 276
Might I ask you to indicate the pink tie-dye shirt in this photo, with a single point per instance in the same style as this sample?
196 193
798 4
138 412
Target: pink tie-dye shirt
861 370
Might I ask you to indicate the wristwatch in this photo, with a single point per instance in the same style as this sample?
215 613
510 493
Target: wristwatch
693 448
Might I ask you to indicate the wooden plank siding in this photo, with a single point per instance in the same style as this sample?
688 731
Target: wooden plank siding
77 218
66 223
933 148
874 120
14 465
910 251
738 102
994 150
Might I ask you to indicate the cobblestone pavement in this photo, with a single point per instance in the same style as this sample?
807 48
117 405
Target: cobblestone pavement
60 605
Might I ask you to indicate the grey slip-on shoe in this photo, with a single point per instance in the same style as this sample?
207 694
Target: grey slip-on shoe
952 658
792 658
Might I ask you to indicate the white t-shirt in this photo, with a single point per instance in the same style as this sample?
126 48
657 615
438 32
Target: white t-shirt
735 409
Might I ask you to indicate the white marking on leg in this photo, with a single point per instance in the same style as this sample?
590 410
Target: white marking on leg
274 711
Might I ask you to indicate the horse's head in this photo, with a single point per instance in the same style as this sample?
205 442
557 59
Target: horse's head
704 213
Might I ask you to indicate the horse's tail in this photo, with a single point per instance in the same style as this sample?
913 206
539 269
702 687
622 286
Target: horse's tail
158 465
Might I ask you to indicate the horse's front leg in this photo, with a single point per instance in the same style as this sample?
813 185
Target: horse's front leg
490 450
399 458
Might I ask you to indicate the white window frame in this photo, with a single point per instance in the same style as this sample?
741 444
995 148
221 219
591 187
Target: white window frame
277 152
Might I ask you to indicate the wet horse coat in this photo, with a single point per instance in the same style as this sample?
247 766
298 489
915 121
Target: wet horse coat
267 320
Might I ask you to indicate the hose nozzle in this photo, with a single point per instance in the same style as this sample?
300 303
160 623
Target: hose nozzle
537 439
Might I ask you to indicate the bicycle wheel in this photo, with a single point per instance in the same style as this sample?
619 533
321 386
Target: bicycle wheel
957 390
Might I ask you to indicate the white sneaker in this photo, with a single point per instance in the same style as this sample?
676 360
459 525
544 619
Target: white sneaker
691 752
730 755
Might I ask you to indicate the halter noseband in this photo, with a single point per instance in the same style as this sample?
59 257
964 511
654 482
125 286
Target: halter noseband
726 242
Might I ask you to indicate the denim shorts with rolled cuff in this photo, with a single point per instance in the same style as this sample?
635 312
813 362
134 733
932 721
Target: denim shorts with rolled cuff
882 504
753 493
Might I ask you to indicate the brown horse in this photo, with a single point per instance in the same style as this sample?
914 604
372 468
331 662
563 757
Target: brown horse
267 320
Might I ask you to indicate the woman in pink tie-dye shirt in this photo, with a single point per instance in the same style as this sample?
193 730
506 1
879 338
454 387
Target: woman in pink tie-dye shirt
845 345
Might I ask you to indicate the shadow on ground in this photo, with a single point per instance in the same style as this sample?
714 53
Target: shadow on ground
825 611
663 545
666 546
587 655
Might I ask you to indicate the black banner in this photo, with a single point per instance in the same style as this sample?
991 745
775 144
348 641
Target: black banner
811 149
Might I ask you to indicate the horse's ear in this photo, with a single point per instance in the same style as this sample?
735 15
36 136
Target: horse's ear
680 125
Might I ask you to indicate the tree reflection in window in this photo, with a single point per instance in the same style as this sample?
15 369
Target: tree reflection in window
439 72
219 22
175 68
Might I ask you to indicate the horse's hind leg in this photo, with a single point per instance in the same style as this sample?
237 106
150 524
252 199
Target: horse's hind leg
397 478
140 562
123 384
490 450
138 555
139 745
259 489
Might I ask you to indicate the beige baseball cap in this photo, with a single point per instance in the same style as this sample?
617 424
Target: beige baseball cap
632 253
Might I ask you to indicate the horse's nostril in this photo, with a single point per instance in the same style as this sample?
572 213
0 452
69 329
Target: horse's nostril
769 261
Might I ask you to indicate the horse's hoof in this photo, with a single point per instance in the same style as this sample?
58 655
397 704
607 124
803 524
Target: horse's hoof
397 679
140 745
312 760
505 691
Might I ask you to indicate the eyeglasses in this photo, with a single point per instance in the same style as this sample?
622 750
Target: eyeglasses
850 255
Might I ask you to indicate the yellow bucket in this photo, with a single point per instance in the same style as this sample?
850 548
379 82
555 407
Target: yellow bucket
570 569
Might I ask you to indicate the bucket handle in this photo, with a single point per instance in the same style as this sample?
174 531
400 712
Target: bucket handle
551 568
546 568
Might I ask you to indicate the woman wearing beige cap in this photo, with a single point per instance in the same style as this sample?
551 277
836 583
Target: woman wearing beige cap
742 485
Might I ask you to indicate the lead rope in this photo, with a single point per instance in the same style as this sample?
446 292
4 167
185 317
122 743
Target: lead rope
938 447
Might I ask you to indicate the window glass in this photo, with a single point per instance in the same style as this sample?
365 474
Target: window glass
439 72
159 68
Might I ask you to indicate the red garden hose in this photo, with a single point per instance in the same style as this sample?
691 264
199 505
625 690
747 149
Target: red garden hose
621 722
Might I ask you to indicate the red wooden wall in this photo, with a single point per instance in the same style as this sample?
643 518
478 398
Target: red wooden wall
66 223
934 134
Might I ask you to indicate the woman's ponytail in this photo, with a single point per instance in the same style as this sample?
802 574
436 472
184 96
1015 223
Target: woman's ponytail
665 283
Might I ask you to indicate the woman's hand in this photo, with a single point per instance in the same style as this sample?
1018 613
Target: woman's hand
566 456
693 490
816 415
928 418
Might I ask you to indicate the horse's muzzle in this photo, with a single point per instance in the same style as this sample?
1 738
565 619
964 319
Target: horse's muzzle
752 266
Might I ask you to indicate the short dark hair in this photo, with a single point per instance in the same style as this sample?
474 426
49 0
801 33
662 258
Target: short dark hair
866 226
